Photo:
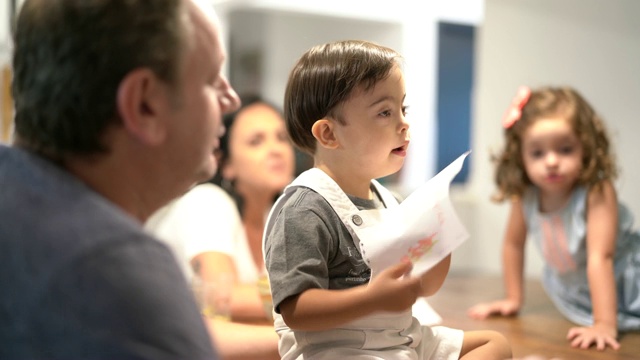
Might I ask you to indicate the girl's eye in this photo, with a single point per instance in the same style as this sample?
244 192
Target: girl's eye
404 110
386 113
566 149
536 154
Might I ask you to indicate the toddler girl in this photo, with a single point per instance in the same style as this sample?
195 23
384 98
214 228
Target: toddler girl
557 171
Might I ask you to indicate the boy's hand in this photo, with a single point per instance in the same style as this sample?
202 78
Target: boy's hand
600 335
503 307
391 290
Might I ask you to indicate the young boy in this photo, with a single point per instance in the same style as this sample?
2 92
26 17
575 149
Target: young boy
344 104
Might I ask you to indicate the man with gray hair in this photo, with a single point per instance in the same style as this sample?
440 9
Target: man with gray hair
118 110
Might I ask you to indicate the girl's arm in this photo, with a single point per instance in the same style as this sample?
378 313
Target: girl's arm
513 268
513 254
321 309
602 221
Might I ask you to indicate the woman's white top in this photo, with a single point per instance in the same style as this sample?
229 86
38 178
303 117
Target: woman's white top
205 219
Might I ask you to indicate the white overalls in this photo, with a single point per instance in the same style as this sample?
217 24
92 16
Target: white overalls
386 335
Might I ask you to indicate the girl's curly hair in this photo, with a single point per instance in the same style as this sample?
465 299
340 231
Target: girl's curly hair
598 162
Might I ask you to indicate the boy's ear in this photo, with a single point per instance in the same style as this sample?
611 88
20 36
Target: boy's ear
322 130
142 102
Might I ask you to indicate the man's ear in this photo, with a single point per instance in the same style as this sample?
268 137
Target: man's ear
322 130
142 101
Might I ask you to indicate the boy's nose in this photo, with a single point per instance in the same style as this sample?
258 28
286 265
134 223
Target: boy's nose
404 125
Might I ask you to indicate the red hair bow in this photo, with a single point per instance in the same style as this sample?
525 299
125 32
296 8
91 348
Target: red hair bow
514 111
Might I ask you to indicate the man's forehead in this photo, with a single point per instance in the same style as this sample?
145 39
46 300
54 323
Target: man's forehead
206 7
203 16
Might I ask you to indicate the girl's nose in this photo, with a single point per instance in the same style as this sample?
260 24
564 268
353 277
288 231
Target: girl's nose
551 159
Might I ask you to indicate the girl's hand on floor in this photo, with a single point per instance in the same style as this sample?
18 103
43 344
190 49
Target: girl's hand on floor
599 335
503 307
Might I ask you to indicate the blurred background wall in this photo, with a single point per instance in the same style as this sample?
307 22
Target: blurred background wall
589 44
455 94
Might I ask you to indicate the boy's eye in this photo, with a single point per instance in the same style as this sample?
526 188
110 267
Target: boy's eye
388 113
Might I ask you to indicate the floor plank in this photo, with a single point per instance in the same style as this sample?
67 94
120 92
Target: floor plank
539 329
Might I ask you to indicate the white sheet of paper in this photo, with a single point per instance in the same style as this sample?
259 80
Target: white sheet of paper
424 228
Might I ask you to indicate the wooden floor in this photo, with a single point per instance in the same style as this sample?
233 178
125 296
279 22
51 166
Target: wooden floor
539 329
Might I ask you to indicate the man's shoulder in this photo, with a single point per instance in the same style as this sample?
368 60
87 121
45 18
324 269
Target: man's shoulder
66 251
52 219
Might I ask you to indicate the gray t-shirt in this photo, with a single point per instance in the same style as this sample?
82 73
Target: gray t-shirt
80 279
309 247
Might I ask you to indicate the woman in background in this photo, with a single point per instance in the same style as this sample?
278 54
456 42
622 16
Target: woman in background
216 232
256 161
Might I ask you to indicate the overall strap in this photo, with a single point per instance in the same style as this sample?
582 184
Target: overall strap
318 181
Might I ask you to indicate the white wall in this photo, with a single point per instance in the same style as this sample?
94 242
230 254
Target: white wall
6 123
4 31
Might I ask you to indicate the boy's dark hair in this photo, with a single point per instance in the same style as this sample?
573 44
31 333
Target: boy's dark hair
70 57
324 77
598 162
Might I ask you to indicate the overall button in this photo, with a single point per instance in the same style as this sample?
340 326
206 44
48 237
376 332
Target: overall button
357 220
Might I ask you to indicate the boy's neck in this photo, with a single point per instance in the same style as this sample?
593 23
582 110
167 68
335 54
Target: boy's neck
348 181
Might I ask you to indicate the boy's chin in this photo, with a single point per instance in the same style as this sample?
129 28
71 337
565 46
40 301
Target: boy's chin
390 172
